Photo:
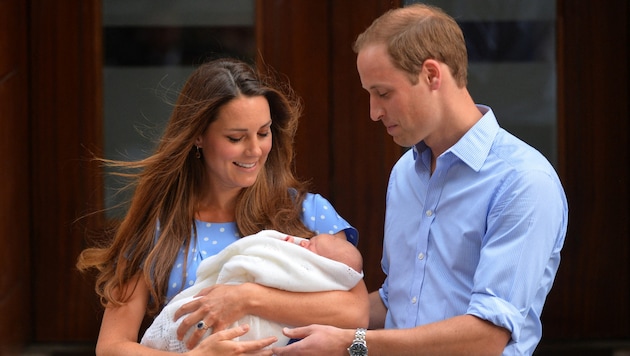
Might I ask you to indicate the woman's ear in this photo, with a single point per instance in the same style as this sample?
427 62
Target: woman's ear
198 141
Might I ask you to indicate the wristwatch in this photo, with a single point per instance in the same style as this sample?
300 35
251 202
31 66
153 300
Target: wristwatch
358 346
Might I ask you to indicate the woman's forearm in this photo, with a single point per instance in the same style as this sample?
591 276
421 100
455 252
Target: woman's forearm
120 326
345 309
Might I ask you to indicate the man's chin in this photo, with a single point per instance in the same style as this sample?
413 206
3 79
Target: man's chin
400 141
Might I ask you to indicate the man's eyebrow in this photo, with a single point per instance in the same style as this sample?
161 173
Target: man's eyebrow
375 87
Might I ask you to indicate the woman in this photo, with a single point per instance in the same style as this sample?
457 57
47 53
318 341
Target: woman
222 170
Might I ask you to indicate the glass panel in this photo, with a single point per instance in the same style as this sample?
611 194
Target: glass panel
512 68
150 48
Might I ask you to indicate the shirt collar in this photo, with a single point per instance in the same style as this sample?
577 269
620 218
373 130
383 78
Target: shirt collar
474 146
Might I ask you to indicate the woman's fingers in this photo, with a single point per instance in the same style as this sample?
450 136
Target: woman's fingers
221 343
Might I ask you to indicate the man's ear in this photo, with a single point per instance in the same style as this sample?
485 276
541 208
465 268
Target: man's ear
431 73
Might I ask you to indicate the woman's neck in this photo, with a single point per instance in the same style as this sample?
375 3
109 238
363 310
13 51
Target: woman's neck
215 216
217 207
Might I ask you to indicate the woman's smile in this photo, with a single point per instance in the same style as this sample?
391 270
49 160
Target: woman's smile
236 145
245 165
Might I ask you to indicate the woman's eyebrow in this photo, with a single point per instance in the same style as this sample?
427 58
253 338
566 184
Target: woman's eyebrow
238 129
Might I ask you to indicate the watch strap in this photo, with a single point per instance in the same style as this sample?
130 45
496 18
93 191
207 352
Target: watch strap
359 345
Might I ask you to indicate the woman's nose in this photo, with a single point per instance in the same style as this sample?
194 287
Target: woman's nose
254 149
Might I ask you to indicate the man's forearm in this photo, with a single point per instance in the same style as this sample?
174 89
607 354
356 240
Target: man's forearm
462 335
377 311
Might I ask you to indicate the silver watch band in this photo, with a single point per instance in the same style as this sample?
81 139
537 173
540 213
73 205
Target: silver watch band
359 345
359 335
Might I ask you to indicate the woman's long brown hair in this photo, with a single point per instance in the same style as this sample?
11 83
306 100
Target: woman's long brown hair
168 183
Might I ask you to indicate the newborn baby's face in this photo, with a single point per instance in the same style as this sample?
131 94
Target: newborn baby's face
319 244
326 245
332 247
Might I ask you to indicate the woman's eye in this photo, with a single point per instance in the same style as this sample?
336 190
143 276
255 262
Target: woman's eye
264 134
234 139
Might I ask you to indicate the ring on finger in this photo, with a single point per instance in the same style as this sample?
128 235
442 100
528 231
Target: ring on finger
202 325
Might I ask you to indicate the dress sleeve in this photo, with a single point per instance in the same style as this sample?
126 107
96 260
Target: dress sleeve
321 217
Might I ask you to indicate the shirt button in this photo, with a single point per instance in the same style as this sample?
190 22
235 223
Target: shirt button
414 300
429 213
421 256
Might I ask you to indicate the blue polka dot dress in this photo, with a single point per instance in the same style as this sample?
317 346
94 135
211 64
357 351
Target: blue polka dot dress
317 214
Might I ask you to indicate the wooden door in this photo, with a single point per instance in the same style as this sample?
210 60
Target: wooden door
591 296
347 156
65 127
15 244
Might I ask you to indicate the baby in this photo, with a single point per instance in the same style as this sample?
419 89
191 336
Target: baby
322 263
331 247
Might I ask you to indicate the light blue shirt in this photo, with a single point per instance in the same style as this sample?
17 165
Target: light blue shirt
481 235
317 214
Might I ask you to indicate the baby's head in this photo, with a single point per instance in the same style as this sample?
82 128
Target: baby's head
335 248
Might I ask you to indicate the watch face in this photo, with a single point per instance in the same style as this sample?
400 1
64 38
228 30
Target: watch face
358 349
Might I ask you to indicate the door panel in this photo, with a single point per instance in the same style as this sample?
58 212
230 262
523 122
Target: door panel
347 156
591 296
14 174
65 128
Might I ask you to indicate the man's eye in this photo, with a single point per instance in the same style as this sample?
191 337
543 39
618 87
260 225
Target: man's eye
383 95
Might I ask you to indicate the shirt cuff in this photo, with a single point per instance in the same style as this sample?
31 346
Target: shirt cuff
497 311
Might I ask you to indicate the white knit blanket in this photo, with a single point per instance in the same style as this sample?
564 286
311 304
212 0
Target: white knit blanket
263 258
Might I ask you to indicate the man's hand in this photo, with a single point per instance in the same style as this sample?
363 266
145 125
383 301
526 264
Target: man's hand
316 340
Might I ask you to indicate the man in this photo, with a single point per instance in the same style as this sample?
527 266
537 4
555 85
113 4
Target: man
475 218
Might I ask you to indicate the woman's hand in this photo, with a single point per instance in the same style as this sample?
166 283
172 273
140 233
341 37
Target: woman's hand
218 307
221 344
